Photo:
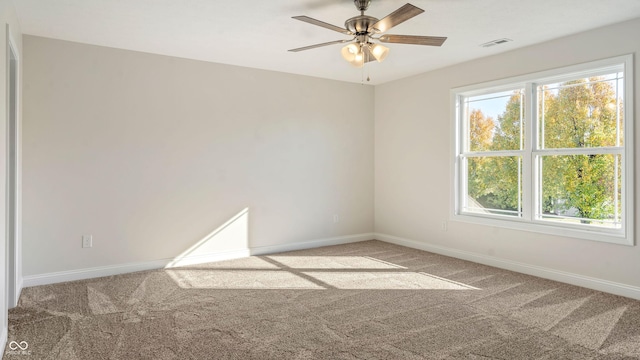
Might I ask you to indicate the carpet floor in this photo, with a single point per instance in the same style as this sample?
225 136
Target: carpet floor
367 300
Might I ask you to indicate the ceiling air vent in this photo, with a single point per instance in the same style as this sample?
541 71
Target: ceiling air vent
496 42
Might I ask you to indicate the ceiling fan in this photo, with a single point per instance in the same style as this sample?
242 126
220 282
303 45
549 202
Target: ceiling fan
365 29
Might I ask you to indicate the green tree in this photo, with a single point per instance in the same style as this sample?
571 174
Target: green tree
509 133
582 114
505 177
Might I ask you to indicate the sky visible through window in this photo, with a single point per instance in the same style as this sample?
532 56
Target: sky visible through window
492 105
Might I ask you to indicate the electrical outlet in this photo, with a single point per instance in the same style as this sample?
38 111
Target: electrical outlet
443 226
87 241
336 218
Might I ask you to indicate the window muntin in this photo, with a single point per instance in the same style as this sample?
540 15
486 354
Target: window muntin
547 153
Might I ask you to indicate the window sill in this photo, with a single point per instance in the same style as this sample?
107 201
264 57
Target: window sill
611 236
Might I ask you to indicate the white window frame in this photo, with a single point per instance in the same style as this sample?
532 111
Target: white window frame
530 153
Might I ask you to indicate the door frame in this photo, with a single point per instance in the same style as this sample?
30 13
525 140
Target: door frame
12 193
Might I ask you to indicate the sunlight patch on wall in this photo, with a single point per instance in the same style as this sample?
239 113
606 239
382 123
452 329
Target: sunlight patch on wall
233 234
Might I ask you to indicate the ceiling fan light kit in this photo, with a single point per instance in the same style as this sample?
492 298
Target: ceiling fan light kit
364 29
358 54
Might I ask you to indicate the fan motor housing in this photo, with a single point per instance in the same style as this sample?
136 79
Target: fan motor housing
360 25
362 5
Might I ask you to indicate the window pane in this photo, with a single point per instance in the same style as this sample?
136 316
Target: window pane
582 189
581 113
494 185
494 121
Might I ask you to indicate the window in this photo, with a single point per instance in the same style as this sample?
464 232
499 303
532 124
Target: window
549 152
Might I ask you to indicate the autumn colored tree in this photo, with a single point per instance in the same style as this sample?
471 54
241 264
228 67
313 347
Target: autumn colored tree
576 114
480 131
480 139
495 178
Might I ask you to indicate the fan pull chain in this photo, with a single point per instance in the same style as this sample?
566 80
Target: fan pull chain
362 75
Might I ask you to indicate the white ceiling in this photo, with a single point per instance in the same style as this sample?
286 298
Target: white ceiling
258 33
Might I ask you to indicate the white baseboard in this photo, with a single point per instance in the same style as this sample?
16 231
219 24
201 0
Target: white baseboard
19 288
95 272
338 240
556 275
207 258
546 273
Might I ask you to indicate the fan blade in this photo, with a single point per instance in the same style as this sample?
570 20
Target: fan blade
322 24
320 45
414 40
401 15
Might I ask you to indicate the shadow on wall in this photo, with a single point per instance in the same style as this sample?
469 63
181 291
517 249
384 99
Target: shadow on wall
233 235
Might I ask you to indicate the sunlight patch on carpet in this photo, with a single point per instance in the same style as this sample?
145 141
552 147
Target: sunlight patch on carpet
582 332
230 279
387 281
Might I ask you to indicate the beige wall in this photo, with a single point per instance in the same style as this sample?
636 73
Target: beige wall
149 154
413 160
7 17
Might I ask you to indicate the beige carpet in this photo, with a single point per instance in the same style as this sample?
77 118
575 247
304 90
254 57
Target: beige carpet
368 300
